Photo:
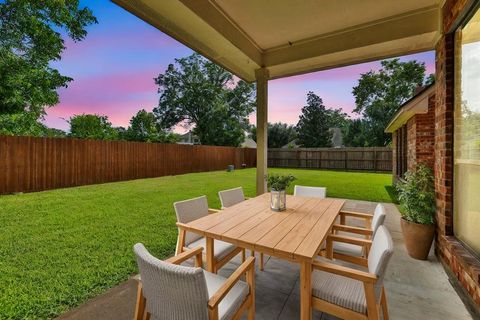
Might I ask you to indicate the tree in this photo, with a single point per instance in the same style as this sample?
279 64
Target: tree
379 94
143 128
279 134
196 92
29 41
20 124
354 134
315 122
91 126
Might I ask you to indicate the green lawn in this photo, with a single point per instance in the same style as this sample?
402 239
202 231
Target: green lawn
59 248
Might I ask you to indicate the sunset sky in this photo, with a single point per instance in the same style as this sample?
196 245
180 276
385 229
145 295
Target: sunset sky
114 67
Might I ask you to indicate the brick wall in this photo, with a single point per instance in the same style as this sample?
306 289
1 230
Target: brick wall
411 140
420 139
425 135
453 254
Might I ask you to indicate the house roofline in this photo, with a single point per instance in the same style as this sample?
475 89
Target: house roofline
417 104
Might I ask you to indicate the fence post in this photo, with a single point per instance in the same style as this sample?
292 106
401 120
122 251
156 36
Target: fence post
346 159
375 160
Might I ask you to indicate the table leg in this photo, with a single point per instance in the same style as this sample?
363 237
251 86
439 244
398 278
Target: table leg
306 290
210 255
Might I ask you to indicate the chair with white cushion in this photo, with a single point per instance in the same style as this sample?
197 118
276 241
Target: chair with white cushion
170 291
230 198
347 242
313 192
350 293
193 209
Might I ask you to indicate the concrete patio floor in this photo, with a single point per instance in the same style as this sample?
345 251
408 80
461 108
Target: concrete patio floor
415 289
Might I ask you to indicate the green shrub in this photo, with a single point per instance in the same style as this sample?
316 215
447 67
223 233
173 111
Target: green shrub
279 182
417 195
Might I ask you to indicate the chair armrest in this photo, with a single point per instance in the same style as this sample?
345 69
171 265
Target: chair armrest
345 271
357 241
357 230
356 214
217 297
186 255
210 210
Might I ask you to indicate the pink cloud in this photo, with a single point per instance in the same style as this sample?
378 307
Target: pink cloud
119 96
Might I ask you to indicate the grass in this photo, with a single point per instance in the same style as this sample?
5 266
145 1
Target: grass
62 247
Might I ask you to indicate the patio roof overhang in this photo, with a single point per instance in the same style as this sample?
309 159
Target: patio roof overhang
289 38
263 40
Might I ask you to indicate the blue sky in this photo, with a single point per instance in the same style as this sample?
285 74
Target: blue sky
114 67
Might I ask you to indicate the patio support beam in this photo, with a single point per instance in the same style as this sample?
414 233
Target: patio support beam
262 76
425 21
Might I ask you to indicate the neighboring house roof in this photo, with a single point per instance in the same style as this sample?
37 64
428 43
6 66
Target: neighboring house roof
249 143
291 145
188 138
418 104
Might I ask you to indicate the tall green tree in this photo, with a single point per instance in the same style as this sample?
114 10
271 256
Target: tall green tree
354 134
143 127
279 134
313 127
380 93
196 92
30 40
92 126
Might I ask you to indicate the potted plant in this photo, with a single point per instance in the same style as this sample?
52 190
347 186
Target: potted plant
278 184
417 200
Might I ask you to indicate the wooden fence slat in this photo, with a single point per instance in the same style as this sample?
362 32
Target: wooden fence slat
362 159
32 164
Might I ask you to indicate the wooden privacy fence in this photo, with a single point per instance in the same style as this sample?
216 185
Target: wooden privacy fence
32 164
363 159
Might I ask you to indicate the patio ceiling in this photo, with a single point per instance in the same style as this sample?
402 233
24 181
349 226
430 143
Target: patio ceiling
289 37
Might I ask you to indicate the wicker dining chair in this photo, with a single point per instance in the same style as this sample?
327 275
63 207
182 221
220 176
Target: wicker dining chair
313 192
230 198
350 293
169 291
193 209
347 242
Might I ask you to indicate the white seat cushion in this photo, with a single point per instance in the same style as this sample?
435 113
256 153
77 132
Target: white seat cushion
234 298
339 290
220 248
347 249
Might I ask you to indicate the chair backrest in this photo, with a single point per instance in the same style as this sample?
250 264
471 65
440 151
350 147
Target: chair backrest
378 217
314 192
189 210
171 291
231 197
380 253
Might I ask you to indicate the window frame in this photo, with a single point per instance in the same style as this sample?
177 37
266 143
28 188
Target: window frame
457 86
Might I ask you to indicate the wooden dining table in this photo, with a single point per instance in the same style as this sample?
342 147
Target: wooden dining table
295 234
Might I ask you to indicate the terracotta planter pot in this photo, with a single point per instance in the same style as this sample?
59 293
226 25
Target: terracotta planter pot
418 238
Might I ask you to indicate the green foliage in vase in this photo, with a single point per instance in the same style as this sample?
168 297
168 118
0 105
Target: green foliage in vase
417 195
279 182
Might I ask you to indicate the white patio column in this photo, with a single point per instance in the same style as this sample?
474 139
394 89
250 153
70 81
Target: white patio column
262 76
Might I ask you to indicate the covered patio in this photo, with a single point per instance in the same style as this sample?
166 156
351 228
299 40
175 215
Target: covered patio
259 41
416 289
263 40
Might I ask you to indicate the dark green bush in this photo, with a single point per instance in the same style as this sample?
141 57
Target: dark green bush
417 195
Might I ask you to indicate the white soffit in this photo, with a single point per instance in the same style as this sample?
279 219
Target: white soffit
292 37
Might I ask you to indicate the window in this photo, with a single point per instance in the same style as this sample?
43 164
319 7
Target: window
467 134
401 151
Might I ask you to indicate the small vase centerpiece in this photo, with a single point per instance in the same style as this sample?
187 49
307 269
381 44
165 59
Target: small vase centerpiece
278 184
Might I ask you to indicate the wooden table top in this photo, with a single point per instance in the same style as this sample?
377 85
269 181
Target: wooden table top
294 234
